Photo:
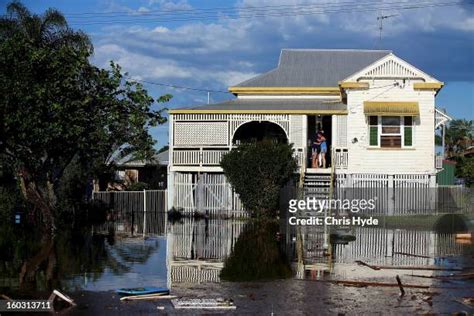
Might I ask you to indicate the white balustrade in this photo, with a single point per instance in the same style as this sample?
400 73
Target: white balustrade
341 158
198 157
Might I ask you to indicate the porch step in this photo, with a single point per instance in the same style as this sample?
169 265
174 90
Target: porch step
316 185
317 181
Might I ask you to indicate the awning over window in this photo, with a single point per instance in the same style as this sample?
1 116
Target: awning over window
388 108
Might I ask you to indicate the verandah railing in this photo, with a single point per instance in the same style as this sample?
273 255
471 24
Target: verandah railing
212 157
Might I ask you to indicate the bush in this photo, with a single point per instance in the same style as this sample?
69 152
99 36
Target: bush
138 186
465 170
258 171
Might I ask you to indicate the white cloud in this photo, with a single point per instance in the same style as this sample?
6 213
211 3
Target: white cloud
227 51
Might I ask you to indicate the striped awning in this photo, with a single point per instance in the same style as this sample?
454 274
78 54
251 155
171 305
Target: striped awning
388 108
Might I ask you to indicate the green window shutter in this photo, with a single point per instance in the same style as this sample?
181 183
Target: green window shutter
373 131
374 137
408 139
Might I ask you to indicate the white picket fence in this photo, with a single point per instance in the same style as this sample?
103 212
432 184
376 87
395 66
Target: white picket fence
404 194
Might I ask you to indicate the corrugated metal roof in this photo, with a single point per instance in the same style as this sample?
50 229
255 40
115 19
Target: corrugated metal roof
315 67
158 159
274 105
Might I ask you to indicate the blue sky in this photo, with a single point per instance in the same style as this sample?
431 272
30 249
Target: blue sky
216 52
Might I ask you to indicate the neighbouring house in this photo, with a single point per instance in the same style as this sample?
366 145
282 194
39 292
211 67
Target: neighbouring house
153 172
377 111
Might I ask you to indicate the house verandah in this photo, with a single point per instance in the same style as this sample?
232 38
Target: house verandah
377 113
197 182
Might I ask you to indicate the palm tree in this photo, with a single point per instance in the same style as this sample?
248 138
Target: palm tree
459 136
48 29
48 37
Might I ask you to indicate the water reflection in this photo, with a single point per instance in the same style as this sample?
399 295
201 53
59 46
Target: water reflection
79 260
374 246
197 249
191 251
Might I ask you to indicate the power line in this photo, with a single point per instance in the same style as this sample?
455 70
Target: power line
240 9
297 11
219 9
176 86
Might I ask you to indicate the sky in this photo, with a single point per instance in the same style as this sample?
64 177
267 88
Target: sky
211 45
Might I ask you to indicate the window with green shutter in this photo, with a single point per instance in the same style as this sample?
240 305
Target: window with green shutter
373 131
408 131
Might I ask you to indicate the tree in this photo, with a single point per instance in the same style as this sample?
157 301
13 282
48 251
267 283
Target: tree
257 172
57 108
465 170
163 149
459 136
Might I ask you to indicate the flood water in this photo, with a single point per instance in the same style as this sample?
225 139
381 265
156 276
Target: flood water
189 255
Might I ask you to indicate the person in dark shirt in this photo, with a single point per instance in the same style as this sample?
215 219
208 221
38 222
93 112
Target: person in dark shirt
316 149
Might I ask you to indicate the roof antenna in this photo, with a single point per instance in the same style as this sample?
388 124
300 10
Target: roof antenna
380 18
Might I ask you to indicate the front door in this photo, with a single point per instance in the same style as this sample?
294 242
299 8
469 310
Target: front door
318 123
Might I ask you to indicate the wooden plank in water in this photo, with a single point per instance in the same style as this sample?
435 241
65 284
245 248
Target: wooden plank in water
147 297
365 283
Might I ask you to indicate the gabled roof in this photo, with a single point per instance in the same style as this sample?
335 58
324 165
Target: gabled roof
315 67
391 67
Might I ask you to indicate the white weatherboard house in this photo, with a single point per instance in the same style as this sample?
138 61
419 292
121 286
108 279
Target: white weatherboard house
377 111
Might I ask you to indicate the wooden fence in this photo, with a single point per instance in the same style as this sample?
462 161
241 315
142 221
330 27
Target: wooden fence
135 212
206 193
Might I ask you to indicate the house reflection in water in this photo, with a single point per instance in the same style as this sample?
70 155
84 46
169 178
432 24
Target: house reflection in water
196 249
374 246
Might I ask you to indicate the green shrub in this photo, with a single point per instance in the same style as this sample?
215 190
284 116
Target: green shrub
465 170
138 186
257 172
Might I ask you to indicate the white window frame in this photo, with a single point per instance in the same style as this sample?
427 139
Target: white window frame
401 134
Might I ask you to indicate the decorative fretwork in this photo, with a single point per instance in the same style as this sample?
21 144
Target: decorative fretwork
441 118
200 133
237 120
391 69
212 132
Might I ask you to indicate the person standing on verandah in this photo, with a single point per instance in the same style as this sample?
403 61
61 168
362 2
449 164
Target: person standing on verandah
324 149
316 148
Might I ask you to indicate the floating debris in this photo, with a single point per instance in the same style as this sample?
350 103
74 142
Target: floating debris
150 297
143 291
203 303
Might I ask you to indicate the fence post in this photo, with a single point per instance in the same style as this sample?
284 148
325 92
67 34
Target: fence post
144 213
391 193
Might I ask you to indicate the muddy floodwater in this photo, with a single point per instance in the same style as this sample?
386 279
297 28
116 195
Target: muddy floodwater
348 271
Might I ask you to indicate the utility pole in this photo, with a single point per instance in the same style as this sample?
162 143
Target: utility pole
380 18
